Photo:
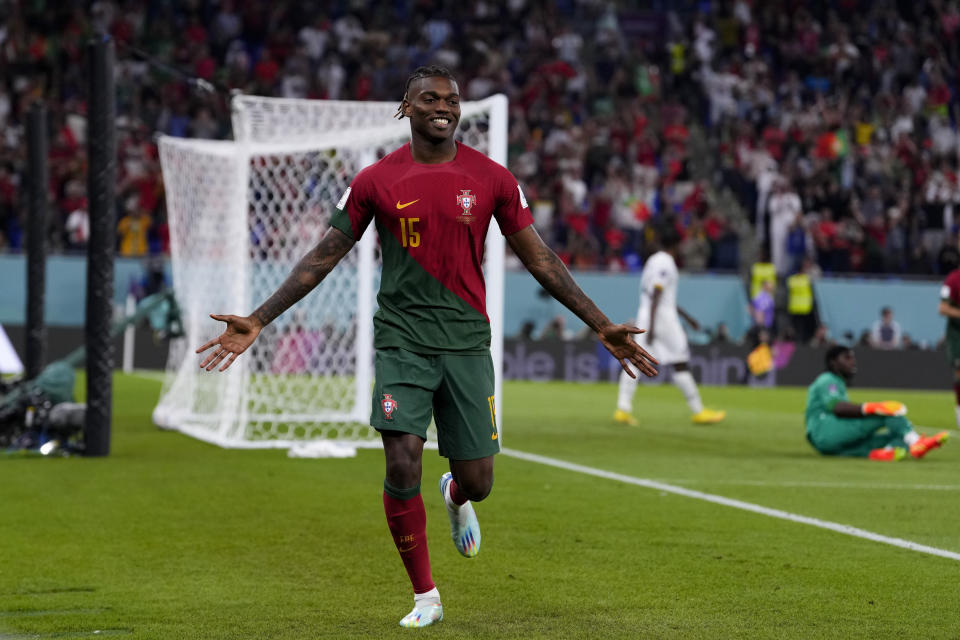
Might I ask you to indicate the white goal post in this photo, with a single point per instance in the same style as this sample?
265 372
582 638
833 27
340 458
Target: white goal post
241 214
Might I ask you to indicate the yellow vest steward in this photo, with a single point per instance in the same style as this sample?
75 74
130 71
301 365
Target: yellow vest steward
800 294
760 272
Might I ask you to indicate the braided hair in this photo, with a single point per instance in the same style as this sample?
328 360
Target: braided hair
430 71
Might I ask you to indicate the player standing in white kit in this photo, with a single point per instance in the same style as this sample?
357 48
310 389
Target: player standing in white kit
665 338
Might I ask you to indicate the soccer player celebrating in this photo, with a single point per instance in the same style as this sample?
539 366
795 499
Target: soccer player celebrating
876 430
659 315
950 308
432 201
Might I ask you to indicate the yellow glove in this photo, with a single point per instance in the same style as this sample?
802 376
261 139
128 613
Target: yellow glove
885 408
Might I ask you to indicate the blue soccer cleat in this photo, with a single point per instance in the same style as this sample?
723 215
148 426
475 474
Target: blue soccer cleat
464 528
423 616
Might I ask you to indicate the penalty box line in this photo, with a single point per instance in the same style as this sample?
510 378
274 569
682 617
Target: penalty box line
730 502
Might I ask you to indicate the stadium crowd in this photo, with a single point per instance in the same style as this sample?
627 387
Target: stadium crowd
822 129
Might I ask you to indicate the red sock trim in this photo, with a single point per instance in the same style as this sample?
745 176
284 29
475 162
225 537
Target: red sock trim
407 520
455 494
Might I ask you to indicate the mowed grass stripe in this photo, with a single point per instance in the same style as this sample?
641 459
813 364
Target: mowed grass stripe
180 539
737 504
27 613
95 633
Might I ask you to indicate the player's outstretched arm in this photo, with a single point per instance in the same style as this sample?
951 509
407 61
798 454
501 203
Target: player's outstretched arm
652 320
844 409
553 276
689 318
948 310
310 271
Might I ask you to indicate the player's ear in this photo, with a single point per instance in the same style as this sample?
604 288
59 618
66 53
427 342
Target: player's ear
405 107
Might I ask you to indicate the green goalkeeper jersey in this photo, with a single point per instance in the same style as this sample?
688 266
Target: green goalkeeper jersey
825 392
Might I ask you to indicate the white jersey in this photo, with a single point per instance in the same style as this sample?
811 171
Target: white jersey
669 344
660 271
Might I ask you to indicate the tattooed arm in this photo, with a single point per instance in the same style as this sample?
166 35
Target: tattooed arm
553 276
309 272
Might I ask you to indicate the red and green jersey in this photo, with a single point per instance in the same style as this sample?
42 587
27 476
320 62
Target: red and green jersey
432 221
950 293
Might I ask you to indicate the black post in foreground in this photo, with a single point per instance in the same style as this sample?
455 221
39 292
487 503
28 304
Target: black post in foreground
36 238
101 183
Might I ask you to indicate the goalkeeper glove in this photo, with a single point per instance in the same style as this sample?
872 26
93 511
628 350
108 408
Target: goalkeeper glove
885 408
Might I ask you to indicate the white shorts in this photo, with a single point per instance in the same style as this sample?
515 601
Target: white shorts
669 342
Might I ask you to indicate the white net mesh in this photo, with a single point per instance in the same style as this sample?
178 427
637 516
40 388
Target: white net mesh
277 120
241 215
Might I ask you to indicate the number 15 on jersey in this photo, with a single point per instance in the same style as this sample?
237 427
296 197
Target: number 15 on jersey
409 237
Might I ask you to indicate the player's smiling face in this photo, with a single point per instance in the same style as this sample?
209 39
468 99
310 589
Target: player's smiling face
433 106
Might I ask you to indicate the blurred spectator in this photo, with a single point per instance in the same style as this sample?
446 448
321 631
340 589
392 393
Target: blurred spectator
295 348
526 330
886 332
785 209
155 279
132 230
78 228
949 257
821 337
721 335
762 307
800 301
908 343
695 249
761 273
812 128
556 329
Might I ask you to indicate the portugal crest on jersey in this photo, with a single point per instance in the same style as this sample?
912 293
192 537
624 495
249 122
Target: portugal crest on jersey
466 201
389 406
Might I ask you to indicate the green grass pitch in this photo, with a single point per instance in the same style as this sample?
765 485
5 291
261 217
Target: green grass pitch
171 538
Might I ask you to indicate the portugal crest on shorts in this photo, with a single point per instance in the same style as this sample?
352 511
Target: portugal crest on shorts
389 406
466 201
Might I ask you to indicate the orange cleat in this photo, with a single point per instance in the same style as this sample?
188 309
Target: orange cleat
923 446
888 454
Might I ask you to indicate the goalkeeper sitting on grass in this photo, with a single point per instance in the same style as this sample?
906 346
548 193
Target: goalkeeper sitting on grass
876 430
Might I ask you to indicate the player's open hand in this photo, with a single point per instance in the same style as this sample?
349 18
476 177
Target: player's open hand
235 339
618 339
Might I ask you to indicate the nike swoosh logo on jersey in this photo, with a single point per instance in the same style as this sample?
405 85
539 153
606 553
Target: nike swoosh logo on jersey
406 204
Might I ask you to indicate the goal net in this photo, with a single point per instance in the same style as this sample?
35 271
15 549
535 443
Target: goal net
241 214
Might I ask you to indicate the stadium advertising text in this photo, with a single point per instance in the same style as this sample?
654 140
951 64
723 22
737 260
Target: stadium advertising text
726 364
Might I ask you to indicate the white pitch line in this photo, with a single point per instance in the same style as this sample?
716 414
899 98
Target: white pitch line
736 504
814 484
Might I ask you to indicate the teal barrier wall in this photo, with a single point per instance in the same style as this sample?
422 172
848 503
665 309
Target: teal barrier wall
66 278
845 304
848 304
711 299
